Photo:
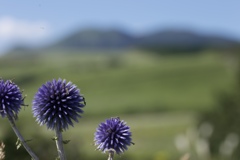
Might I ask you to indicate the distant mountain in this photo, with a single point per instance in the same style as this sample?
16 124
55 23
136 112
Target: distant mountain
164 41
180 40
96 39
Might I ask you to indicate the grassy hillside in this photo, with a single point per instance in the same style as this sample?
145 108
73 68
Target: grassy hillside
159 97
127 82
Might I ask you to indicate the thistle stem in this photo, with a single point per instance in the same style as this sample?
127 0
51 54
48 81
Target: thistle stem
20 137
110 156
59 144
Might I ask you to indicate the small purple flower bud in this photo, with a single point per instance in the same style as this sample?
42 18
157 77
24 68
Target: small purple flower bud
113 135
57 104
10 99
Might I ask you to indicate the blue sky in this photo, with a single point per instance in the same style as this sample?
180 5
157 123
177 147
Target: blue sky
38 21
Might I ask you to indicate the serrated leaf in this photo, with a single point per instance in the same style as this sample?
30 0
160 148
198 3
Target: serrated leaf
66 141
28 140
54 138
19 145
18 141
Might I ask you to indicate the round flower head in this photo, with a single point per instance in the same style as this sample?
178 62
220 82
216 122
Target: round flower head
10 99
57 103
113 135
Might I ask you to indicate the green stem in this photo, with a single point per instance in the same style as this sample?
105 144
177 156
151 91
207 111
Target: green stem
59 144
20 137
111 154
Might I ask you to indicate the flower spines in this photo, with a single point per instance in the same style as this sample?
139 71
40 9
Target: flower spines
113 135
11 99
57 103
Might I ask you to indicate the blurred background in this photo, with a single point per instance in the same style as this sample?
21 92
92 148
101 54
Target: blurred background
170 69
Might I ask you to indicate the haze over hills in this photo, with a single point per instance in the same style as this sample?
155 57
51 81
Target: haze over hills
165 40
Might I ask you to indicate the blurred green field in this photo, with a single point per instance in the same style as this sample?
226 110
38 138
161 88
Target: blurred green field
126 82
159 96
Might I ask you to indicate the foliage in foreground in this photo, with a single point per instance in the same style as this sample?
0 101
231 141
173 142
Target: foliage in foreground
225 118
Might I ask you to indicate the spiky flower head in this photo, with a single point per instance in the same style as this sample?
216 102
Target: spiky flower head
113 135
10 99
57 103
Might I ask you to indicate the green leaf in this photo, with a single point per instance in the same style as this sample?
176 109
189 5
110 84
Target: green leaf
55 138
28 140
66 141
19 145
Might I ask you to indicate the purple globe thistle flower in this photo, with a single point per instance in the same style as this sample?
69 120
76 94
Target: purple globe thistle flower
57 103
113 135
10 99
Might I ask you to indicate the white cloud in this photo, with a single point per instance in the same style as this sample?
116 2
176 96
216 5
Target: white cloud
14 31
13 28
